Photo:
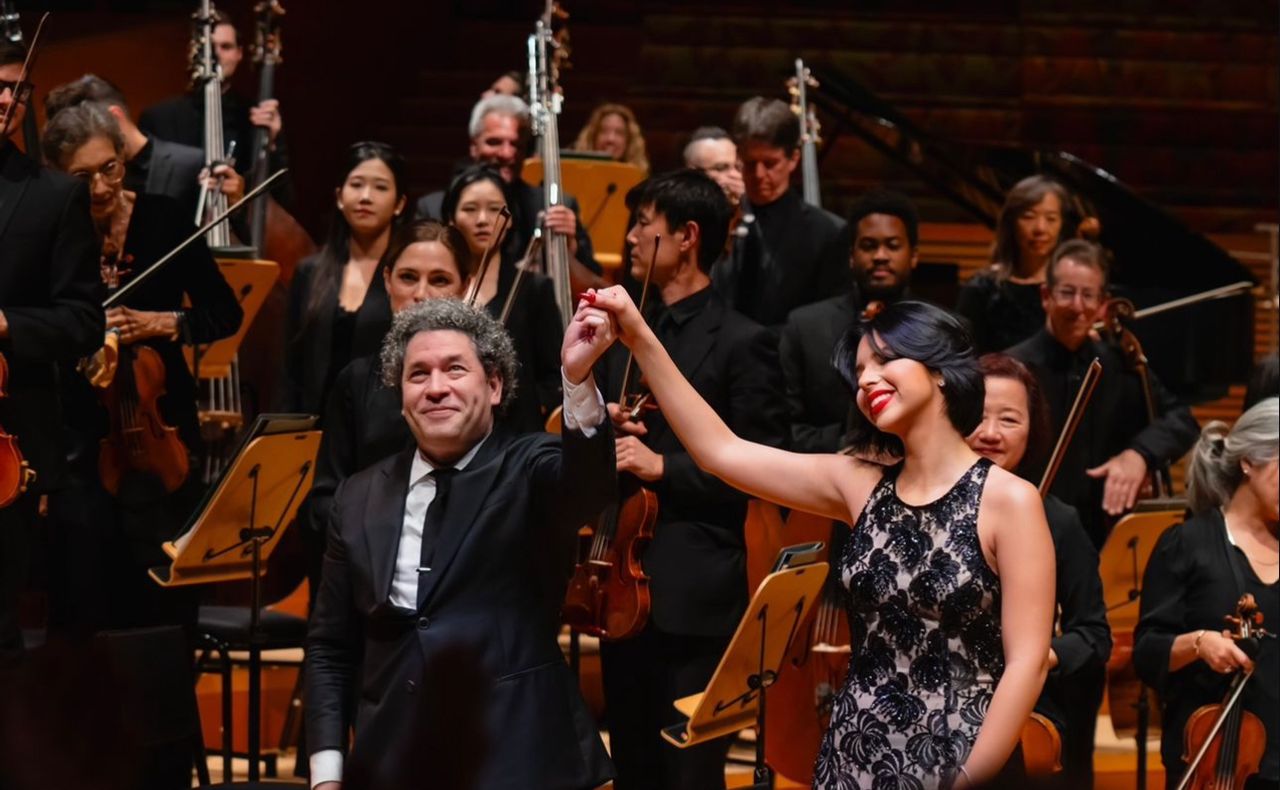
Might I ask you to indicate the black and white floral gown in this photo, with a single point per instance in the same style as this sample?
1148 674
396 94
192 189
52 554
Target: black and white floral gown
924 612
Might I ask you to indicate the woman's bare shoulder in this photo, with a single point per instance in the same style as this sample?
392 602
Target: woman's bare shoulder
1010 494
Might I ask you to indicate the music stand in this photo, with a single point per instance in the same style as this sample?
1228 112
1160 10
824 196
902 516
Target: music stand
1121 565
251 281
735 697
600 186
238 523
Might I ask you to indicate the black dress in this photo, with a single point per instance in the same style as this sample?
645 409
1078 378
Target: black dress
1195 577
1000 313
536 330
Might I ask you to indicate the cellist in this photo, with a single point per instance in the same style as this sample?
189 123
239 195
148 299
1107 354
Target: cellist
696 560
1198 571
50 312
1115 448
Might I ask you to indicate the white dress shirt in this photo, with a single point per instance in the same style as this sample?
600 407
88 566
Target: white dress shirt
583 411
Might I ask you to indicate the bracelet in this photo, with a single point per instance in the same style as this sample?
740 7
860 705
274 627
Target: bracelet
1199 635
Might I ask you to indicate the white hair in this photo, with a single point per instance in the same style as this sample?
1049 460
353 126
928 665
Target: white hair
1215 471
500 104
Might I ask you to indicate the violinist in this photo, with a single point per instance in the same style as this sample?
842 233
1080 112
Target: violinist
362 417
1002 304
885 228
696 560
1114 449
1198 571
793 254
113 538
499 132
612 129
50 313
1015 429
472 205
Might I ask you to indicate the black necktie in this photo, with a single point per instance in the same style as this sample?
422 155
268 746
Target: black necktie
433 521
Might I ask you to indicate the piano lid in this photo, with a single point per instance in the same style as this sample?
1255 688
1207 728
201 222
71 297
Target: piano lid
1196 352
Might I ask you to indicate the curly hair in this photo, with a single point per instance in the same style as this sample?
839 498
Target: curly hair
492 343
934 338
635 150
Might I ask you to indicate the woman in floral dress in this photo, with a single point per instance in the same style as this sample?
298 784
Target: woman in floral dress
943 676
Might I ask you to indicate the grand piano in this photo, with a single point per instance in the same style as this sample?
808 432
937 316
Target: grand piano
1197 351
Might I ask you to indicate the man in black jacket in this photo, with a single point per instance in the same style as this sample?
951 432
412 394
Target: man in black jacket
456 554
792 253
696 560
50 312
1116 448
885 229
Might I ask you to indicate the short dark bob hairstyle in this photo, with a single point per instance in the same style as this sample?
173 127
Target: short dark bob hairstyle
934 338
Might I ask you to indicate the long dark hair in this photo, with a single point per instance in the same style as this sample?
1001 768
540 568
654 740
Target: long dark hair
1026 193
934 338
337 245
474 174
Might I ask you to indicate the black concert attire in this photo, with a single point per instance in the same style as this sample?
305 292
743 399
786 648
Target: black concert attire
1073 689
164 168
537 331
111 541
1000 313
793 254
529 203
51 297
697 558
1195 577
455 670
1115 420
181 120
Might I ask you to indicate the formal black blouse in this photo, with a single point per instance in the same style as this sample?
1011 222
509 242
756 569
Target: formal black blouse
1000 313
1193 580
536 330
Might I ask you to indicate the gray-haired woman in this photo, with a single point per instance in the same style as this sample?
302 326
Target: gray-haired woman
1197 573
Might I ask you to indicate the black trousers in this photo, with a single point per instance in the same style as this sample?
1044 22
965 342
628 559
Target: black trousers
643 676
17 522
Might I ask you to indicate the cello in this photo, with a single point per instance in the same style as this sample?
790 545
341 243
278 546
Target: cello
1228 742
608 596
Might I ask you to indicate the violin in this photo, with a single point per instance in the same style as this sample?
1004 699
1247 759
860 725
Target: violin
608 596
15 473
139 439
1228 742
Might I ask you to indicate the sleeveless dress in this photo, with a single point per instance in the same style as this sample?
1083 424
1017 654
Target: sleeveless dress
924 613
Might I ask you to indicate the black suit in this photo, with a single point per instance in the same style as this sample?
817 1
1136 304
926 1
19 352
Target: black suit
169 169
529 202
792 254
818 401
1115 420
697 559
51 297
499 576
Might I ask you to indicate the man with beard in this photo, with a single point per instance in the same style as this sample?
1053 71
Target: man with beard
885 226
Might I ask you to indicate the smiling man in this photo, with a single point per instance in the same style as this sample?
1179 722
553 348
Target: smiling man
792 253
457 552
1108 463
885 228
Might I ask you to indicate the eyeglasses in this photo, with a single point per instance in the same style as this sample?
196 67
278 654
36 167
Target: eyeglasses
21 91
1065 295
111 173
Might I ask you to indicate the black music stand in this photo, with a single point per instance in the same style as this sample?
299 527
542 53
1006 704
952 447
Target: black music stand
735 697
239 522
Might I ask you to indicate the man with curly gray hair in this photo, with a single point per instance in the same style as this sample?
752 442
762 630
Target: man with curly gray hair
461 545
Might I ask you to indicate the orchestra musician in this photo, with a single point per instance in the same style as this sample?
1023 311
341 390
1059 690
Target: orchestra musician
1198 572
1002 304
944 544
793 253
111 538
696 560
1014 429
1114 448
362 417
461 543
508 83
711 150
50 313
472 204
499 132
612 129
885 228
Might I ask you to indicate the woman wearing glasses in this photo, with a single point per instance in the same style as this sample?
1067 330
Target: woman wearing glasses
120 535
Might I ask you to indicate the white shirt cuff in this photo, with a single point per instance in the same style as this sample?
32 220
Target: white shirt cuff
326 766
583 405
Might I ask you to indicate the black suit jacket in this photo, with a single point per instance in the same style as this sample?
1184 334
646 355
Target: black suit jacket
50 294
502 565
792 254
697 559
818 399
